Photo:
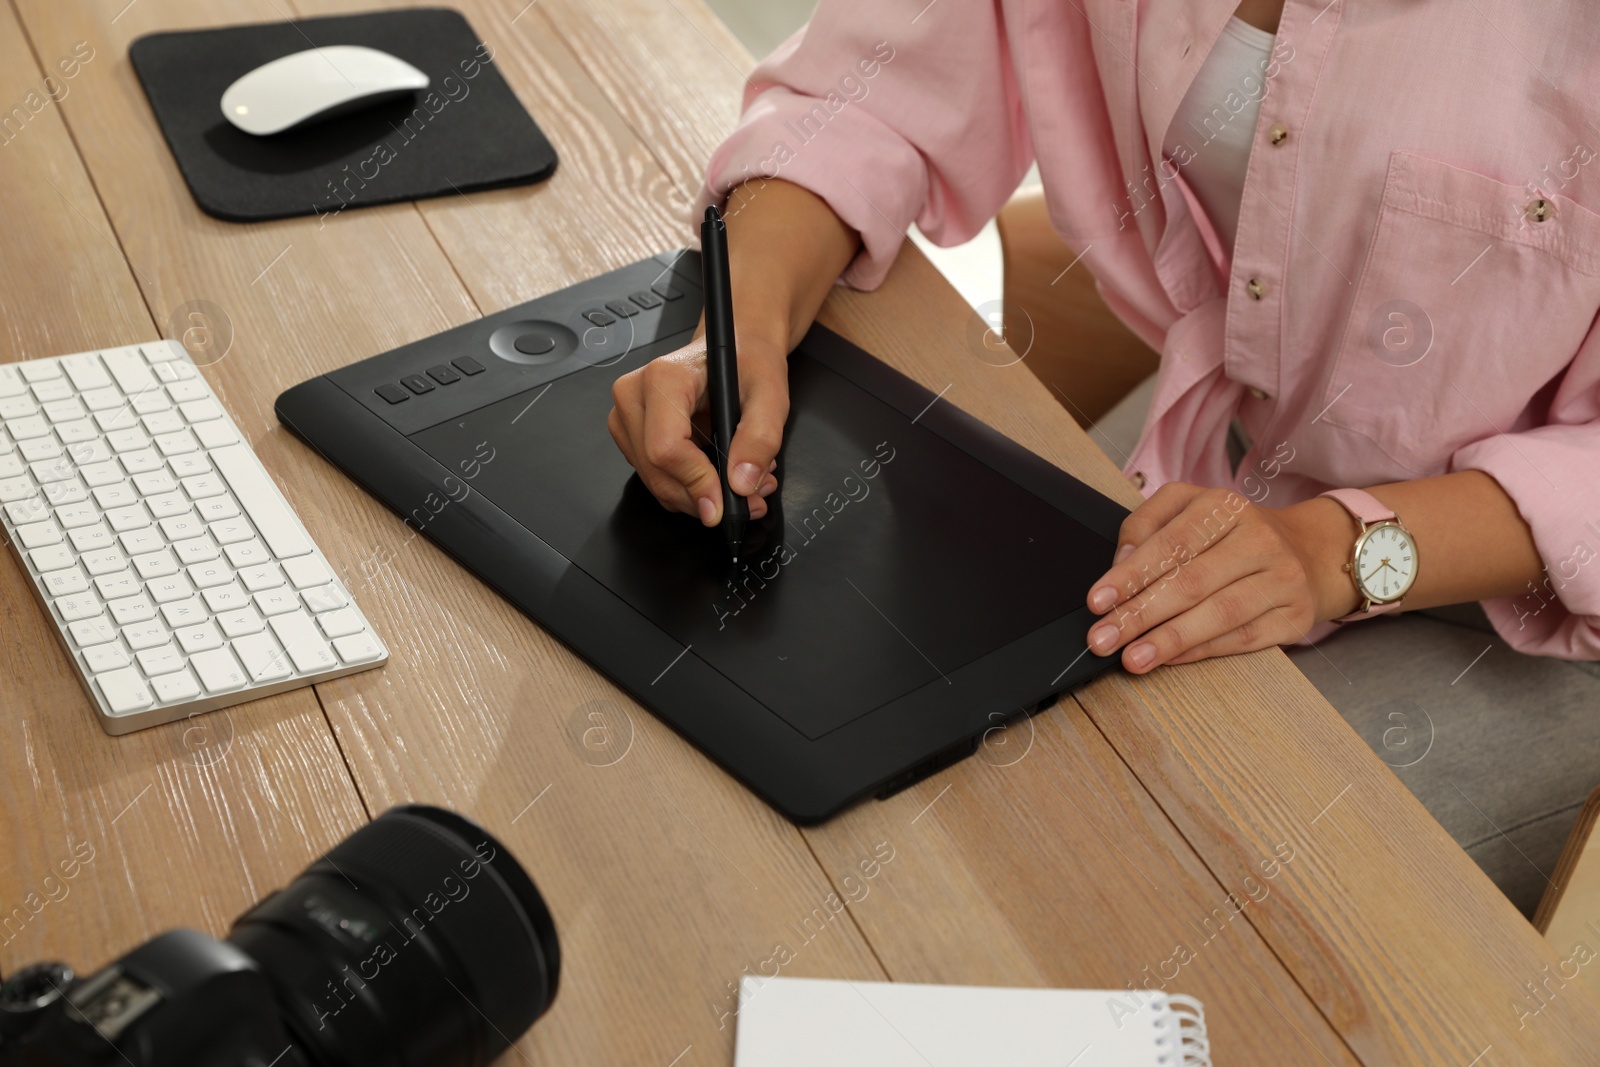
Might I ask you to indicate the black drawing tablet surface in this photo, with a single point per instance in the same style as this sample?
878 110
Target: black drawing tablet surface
466 131
919 579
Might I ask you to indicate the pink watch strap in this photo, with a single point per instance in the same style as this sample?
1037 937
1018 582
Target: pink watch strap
1367 510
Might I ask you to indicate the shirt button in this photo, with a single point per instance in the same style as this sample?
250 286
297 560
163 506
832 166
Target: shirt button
1540 209
1259 394
1137 478
1255 288
1278 133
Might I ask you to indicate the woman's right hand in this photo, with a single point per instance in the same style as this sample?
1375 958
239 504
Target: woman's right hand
658 421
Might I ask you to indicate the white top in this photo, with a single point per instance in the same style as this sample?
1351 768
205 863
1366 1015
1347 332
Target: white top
1216 124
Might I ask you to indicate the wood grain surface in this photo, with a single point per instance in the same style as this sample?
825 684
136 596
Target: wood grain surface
1143 816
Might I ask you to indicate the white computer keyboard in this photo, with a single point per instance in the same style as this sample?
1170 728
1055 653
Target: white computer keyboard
176 573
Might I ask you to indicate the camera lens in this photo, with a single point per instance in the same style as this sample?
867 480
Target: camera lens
28 992
418 941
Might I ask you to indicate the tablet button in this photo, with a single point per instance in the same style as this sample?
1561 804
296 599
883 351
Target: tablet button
598 317
666 291
392 393
467 365
443 375
532 344
645 299
621 307
417 384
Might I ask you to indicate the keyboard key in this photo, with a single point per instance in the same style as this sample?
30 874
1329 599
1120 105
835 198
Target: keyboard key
201 486
106 657
100 475
214 508
218 670
118 585
103 561
130 371
182 527
155 483
150 402
163 422
11 467
232 531
64 582
11 382
302 641
305 571
358 648
167 505
57 493
120 419
181 392
29 509
155 565
124 690
91 538
216 434
162 660
262 657
36 534
182 613
241 622
161 352
138 542
140 461
96 631
78 606
68 410
53 470
72 516
85 371
118 494
18 407
175 688
51 558
131 609
199 638
341 623
143 635
39 448
72 433
101 399
325 598
248 553
196 550
200 410
276 601
16 489
194 463
24 428
39 370
250 484
226 597
166 590
267 576
177 371
206 575
127 440
176 444
59 389
133 517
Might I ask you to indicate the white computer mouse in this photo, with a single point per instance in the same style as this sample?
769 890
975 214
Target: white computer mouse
317 84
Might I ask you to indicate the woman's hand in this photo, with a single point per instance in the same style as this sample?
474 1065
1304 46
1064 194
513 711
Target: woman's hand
653 424
1204 572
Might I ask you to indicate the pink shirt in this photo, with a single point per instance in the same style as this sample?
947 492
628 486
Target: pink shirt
1416 276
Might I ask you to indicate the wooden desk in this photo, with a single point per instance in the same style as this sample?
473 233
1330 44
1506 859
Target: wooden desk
1083 851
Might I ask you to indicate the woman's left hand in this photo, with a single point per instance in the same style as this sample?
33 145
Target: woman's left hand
1205 572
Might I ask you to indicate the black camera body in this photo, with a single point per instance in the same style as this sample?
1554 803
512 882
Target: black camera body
418 941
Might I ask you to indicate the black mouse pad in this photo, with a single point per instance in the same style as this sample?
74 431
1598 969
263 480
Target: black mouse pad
466 131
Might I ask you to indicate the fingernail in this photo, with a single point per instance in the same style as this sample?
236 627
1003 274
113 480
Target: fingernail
1141 655
708 510
1123 553
746 476
1101 599
769 487
1103 638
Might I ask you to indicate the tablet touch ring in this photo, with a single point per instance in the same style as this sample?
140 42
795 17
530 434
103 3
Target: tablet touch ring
533 342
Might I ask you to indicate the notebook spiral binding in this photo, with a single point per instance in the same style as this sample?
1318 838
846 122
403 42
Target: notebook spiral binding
1181 1032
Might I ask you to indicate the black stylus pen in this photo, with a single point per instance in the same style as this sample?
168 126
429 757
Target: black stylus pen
722 370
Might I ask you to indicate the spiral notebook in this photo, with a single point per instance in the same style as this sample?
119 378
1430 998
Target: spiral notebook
808 1022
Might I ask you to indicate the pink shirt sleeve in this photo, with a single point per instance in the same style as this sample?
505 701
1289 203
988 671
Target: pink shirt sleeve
1552 473
890 119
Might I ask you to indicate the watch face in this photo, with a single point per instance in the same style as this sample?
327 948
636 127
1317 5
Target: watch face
1386 562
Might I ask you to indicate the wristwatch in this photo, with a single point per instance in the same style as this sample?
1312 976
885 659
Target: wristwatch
1383 563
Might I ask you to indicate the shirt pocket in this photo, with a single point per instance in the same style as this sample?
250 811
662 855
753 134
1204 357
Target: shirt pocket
1471 298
